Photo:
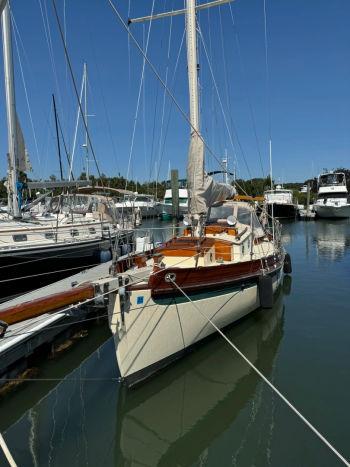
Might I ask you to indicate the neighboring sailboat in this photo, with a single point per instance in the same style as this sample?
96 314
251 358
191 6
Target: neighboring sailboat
224 266
333 199
39 249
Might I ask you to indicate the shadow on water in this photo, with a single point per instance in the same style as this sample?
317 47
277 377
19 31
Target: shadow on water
174 419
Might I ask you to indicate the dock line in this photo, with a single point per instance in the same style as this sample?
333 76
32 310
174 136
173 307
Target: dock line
268 382
7 452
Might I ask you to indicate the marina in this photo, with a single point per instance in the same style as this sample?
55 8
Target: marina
194 315
62 414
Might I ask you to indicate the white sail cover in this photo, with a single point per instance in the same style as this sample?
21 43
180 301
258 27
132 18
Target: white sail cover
204 191
23 162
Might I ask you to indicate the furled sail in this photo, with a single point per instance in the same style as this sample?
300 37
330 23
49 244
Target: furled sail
23 162
204 191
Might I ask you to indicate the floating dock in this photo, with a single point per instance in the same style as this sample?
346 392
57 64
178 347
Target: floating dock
23 340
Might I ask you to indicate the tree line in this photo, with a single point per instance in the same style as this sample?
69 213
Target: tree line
252 187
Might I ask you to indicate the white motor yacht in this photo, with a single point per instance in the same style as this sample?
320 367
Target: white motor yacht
332 197
280 203
166 206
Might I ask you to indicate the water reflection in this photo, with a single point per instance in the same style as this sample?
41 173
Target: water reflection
332 238
171 420
174 420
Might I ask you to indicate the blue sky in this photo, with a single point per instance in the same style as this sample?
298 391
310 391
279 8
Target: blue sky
309 92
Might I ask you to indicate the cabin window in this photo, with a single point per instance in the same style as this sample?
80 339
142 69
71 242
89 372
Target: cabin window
243 249
92 230
167 200
49 235
244 217
332 179
220 212
74 232
19 238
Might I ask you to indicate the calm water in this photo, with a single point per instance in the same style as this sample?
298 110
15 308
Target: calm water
209 409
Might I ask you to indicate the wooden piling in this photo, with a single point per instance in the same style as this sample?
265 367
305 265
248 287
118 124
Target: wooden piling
175 193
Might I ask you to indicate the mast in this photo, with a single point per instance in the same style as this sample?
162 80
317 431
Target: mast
57 135
86 144
191 37
11 114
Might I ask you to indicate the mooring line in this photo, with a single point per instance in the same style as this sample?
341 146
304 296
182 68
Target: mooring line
7 452
267 381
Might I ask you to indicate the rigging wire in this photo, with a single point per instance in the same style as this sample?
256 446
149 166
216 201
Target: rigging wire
103 99
160 146
64 144
76 90
229 105
138 100
77 125
244 74
159 78
47 31
15 29
144 107
221 104
258 372
173 86
268 91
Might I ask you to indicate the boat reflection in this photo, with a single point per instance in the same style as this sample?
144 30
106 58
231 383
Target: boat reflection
176 417
171 420
332 239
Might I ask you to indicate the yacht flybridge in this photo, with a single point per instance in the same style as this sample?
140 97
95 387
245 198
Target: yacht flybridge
333 197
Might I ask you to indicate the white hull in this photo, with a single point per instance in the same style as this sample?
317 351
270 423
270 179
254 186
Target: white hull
149 335
332 211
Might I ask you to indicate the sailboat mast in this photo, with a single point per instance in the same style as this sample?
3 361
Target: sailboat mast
11 114
191 37
86 121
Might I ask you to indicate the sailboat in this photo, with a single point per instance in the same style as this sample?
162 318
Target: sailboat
224 266
37 250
